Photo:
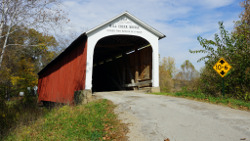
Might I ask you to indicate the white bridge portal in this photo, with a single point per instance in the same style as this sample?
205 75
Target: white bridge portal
134 35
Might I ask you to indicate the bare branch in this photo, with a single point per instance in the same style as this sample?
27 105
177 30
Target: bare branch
25 45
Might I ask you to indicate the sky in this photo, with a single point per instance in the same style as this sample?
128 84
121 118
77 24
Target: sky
182 21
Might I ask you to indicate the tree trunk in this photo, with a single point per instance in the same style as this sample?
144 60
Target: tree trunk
2 20
4 46
6 37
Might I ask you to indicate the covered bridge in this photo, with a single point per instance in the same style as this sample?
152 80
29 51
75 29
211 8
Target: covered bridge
121 54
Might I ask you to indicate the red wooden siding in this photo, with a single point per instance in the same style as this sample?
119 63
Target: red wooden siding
65 75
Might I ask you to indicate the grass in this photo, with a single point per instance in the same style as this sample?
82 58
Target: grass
230 102
93 121
19 112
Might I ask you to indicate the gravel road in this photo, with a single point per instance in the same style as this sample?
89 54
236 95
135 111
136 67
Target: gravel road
155 118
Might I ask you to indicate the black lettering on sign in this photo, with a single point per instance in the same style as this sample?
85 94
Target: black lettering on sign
218 67
133 27
225 67
122 26
123 19
112 25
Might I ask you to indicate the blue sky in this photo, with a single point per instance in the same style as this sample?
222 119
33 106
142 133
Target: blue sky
180 20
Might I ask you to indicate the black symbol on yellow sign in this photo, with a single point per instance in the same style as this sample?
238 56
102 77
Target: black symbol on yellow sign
222 62
225 67
222 67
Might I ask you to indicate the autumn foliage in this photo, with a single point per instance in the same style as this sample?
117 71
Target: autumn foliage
22 61
28 52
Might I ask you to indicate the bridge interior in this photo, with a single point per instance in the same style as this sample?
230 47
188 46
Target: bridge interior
122 63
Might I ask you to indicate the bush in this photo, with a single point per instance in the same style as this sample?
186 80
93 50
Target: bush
235 49
20 111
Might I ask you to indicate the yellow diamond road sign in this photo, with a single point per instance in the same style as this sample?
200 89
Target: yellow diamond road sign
222 67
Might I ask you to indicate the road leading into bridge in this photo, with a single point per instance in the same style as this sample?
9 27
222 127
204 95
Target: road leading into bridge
155 118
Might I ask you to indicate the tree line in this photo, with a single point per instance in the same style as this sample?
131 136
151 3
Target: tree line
25 47
172 79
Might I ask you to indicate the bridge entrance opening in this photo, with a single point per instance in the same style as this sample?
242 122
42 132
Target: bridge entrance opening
122 62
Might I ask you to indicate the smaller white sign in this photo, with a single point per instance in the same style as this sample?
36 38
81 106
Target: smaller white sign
21 93
124 25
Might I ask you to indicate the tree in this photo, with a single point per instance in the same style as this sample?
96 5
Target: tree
167 70
168 64
16 14
245 15
39 48
188 71
23 61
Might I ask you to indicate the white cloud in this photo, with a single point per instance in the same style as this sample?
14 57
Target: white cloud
206 4
216 3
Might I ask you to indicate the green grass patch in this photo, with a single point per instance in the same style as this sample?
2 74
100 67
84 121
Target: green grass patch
93 121
233 103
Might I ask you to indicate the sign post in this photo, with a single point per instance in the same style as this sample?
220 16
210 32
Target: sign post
223 87
222 68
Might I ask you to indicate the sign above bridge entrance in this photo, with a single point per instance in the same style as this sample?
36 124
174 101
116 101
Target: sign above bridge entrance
124 25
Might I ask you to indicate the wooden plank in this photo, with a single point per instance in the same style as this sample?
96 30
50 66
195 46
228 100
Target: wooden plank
123 65
138 84
145 63
129 71
137 57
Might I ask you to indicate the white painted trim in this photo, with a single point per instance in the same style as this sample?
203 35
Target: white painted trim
127 14
133 27
155 64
